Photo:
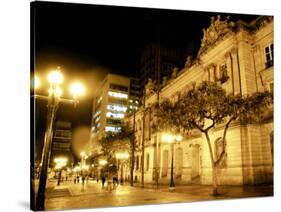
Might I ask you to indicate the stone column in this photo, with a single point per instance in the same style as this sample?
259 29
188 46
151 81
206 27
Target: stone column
236 71
258 66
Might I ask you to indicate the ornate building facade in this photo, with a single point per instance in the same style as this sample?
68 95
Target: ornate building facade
239 57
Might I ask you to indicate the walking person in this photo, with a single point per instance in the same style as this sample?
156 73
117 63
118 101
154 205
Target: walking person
103 180
83 182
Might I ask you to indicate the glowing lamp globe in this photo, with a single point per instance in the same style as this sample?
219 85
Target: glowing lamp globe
77 89
55 77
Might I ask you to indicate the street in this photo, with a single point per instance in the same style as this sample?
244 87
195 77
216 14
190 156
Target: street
71 196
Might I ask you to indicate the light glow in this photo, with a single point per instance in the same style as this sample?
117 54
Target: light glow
60 162
112 129
36 82
55 77
117 108
57 91
122 155
77 169
77 89
118 95
115 115
170 138
102 162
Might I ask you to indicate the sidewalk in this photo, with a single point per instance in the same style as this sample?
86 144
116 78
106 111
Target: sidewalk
206 190
94 196
90 187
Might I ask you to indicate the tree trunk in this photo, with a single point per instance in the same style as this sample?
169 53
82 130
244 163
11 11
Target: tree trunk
133 151
214 167
215 180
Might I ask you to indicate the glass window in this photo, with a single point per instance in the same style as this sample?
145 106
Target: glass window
112 129
115 115
118 95
268 56
118 108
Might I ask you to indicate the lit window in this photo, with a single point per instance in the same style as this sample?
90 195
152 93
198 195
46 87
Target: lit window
117 108
112 129
118 95
115 115
97 113
99 100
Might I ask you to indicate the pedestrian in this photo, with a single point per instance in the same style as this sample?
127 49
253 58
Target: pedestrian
83 179
103 180
77 179
115 181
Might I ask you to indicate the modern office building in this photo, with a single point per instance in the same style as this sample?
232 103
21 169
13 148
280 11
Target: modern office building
156 58
116 96
239 57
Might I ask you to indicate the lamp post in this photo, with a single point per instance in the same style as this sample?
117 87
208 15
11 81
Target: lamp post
122 156
55 78
172 139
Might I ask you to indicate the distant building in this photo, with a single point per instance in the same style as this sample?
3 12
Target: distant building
239 57
61 145
116 96
156 58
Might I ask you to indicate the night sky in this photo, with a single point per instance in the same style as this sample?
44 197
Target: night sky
89 41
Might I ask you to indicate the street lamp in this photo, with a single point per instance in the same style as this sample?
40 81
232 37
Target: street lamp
77 89
55 78
122 156
172 139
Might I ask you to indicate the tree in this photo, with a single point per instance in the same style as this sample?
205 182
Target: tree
206 106
122 141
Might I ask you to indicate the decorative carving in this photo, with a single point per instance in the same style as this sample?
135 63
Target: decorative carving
188 62
227 55
234 50
223 74
149 87
165 80
216 31
261 22
175 72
